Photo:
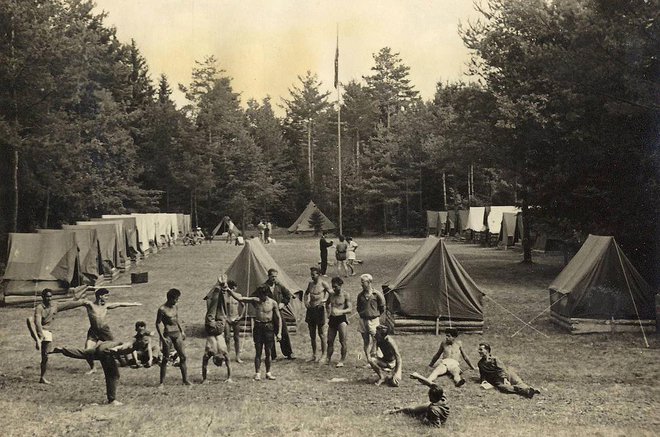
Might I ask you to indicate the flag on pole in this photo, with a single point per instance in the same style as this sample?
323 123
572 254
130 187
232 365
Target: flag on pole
337 63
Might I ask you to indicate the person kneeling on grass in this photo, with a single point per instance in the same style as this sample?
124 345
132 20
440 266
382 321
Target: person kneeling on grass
144 350
449 352
435 413
390 362
493 372
267 313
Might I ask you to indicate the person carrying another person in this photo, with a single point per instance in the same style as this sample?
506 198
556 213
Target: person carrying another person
338 308
434 413
388 367
264 332
449 353
314 298
370 306
493 371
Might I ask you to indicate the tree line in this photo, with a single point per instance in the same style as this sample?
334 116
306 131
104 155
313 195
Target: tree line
561 120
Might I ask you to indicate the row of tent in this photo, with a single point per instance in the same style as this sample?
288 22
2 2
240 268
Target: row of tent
87 253
598 291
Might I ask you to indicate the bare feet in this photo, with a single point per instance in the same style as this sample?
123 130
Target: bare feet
318 359
311 360
380 381
340 364
270 376
44 381
203 381
229 380
238 360
116 403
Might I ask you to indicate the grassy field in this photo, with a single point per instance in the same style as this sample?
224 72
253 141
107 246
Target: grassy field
591 385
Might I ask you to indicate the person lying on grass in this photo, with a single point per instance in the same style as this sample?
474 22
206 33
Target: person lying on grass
435 413
388 367
263 334
449 353
493 371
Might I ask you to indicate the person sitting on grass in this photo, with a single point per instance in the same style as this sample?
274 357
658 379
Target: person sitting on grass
390 362
435 413
502 378
449 353
144 350
267 314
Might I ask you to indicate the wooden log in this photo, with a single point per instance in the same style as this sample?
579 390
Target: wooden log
591 326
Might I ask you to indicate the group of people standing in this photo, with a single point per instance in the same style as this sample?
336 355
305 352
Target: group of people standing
327 306
265 229
344 254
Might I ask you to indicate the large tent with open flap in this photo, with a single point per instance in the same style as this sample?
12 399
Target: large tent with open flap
433 292
130 232
91 266
600 290
302 223
250 269
37 261
107 240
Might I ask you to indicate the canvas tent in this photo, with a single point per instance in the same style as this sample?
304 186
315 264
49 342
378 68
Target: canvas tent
88 252
546 243
476 219
432 222
601 291
142 224
462 218
225 225
130 232
107 239
302 223
120 239
494 220
433 291
38 261
509 232
250 269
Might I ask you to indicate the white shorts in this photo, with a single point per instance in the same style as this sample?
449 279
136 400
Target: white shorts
368 325
47 335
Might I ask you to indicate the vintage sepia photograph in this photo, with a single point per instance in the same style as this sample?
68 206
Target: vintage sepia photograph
329 218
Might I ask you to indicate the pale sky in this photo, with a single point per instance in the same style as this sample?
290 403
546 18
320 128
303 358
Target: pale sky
265 44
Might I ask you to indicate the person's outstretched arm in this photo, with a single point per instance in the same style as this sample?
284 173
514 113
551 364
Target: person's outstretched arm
123 304
240 298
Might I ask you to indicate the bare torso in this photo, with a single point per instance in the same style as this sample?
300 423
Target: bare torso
338 302
96 314
264 310
317 292
452 351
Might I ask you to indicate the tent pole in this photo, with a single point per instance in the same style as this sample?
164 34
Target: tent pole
437 326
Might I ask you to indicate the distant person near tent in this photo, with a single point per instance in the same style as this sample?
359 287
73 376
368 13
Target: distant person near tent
323 247
314 298
262 230
449 354
264 335
267 231
340 254
351 256
44 314
493 372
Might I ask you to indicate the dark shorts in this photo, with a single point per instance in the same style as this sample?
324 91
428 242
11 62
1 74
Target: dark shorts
215 328
100 334
315 315
335 321
263 333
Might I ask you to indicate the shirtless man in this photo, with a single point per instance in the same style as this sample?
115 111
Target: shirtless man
449 353
314 299
44 314
390 361
338 307
215 325
99 330
264 327
168 315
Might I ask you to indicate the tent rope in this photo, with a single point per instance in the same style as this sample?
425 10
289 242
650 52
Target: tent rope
539 314
444 275
505 309
625 276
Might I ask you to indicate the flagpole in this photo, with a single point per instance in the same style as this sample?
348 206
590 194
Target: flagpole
338 129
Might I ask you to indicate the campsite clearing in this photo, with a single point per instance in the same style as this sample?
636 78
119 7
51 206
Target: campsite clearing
597 384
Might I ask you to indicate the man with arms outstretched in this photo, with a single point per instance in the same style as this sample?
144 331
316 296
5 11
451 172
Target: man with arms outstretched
97 311
264 333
